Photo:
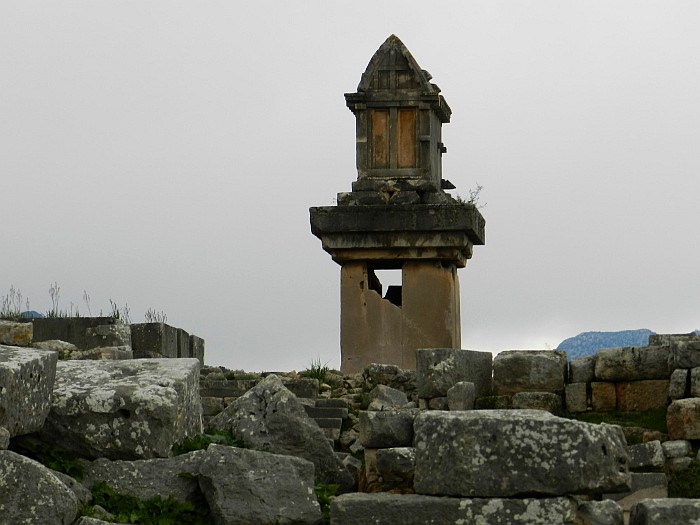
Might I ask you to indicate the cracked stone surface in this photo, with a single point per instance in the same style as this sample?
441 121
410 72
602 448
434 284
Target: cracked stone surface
270 418
26 382
135 409
506 453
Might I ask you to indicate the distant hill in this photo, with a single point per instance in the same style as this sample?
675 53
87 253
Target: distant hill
588 343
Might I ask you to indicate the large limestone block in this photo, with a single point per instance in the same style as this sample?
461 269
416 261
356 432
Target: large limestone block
415 509
135 409
529 371
582 370
603 396
647 456
685 348
679 385
638 396
683 418
15 334
386 428
118 334
258 488
669 511
148 478
26 382
576 396
632 363
439 369
506 453
30 494
269 417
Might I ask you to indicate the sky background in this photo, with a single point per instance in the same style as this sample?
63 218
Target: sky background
164 154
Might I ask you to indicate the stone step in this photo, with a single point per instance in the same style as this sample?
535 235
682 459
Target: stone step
335 403
326 412
329 422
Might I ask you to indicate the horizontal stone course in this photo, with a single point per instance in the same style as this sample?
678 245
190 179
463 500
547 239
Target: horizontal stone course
415 509
633 363
529 371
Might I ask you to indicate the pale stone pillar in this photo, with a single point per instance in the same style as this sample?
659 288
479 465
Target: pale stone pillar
430 309
370 326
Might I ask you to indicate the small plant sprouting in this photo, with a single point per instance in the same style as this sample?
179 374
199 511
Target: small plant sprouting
325 494
152 511
474 197
152 316
316 371
120 314
55 294
11 304
202 442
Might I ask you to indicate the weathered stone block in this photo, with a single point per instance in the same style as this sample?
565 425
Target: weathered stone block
257 488
679 386
30 493
384 397
638 396
304 387
387 428
647 456
103 335
4 438
547 401
685 348
604 512
416 509
695 382
683 419
197 348
438 403
576 397
183 343
632 363
677 448
396 466
69 329
124 409
603 396
439 369
26 382
144 479
493 402
582 370
461 396
153 340
529 371
269 417
665 511
505 453
15 334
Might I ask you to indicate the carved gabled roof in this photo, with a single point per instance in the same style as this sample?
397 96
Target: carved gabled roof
393 68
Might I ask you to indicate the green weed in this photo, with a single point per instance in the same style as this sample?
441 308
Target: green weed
202 442
153 511
316 371
325 494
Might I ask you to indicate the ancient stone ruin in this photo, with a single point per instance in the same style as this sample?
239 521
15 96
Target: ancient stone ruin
399 217
94 411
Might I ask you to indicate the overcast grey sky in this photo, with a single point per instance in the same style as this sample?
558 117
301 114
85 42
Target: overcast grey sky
164 154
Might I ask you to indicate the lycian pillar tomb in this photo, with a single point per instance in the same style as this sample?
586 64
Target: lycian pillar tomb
399 217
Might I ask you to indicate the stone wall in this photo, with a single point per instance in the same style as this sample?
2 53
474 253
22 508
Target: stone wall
404 446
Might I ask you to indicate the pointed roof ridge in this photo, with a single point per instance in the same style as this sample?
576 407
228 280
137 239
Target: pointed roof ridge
393 42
